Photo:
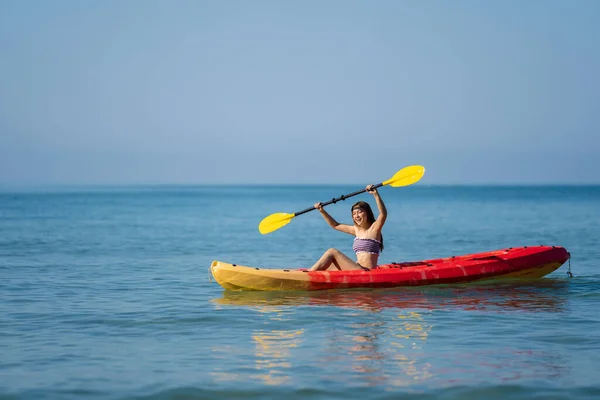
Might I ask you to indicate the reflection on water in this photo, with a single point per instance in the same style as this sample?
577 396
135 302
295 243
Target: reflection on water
532 296
383 337
407 348
384 351
273 351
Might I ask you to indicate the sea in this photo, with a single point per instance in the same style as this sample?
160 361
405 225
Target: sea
105 293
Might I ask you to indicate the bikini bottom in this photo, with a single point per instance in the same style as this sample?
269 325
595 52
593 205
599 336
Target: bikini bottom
367 269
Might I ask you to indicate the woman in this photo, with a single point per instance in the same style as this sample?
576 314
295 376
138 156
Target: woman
368 242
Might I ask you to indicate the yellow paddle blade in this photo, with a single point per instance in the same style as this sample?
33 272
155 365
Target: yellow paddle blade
274 222
406 176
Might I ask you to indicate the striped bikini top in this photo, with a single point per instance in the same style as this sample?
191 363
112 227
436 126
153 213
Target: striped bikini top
363 245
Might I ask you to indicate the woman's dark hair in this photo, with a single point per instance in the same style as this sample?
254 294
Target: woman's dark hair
370 216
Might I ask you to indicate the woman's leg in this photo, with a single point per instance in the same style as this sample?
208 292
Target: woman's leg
336 258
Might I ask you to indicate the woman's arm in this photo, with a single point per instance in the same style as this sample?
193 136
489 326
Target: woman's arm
332 222
378 224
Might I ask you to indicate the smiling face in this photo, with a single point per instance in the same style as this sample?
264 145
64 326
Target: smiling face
362 215
359 216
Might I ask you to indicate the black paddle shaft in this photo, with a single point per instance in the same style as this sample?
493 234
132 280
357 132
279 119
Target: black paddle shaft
341 198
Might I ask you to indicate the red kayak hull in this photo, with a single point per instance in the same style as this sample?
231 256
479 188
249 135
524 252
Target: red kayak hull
514 262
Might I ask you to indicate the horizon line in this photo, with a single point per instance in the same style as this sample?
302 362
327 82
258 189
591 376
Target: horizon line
283 184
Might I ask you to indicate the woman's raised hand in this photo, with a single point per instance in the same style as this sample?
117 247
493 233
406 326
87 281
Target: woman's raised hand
371 189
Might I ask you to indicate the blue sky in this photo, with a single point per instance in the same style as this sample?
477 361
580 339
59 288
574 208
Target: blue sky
102 92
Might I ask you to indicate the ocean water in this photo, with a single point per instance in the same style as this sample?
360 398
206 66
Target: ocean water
105 294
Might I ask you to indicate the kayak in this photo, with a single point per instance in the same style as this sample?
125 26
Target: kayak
526 262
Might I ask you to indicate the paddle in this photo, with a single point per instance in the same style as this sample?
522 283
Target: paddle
404 177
